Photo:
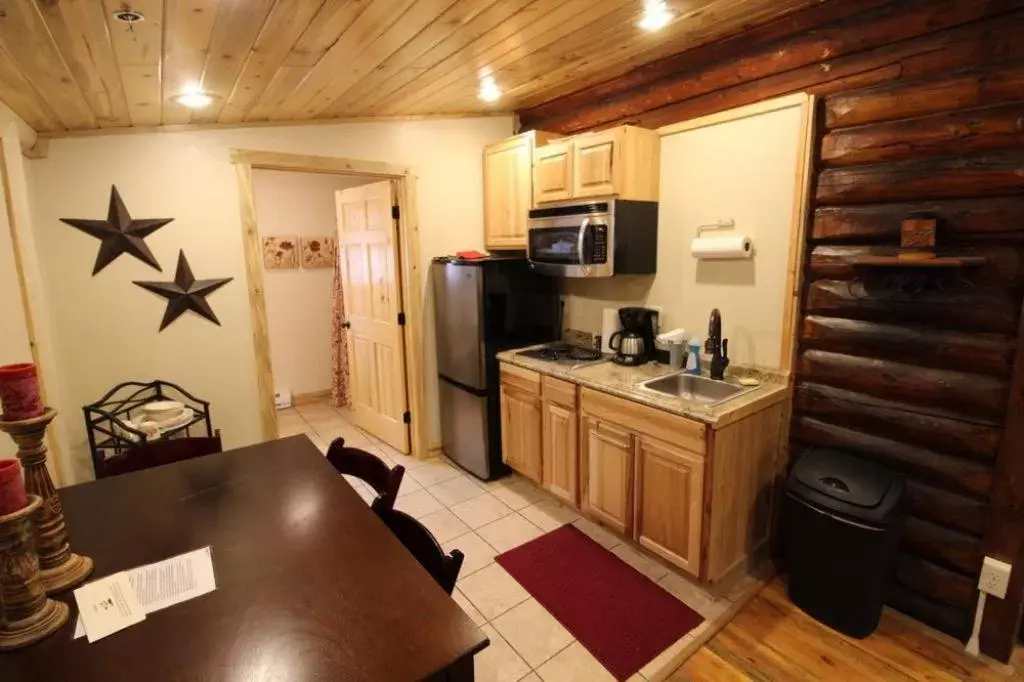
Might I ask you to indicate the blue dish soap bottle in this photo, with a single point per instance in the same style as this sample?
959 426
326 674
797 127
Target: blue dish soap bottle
693 355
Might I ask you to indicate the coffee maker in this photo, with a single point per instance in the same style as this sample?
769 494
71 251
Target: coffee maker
634 343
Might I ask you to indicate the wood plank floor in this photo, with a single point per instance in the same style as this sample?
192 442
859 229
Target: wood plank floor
770 639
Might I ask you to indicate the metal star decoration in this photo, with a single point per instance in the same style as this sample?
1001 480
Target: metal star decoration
119 233
185 293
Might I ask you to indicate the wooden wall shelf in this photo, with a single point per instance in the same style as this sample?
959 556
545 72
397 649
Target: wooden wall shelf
896 261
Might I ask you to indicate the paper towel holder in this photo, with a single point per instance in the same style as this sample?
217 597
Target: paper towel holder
719 225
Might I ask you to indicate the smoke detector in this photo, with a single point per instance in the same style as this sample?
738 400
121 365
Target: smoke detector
129 16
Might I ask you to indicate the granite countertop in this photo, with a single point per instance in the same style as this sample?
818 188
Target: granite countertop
622 381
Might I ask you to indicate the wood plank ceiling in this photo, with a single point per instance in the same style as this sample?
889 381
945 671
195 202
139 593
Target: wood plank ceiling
69 65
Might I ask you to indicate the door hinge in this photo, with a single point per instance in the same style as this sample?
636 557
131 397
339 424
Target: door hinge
401 319
407 417
396 212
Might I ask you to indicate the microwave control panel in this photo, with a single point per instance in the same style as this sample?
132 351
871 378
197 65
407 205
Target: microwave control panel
599 252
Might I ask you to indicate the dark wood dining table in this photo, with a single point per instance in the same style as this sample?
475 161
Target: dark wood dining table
311 585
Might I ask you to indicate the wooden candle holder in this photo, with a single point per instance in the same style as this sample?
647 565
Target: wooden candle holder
26 615
61 569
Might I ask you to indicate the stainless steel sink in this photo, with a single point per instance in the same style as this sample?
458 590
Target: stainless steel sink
694 388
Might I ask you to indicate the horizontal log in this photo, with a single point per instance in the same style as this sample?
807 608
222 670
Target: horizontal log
699 57
981 311
948 134
973 45
945 546
947 178
946 508
978 353
955 473
885 25
1003 268
935 581
958 220
907 99
942 431
972 394
943 617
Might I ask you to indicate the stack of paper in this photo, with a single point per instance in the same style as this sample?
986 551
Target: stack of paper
117 601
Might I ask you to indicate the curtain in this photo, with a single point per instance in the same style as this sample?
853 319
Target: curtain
340 395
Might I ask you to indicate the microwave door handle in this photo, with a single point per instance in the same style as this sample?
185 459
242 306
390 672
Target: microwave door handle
579 246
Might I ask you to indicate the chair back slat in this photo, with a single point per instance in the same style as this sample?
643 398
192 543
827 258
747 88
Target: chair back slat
367 467
159 452
422 544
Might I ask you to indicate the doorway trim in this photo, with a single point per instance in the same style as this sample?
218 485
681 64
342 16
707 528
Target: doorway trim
408 252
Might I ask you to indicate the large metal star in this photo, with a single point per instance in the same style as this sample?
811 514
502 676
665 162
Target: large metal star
185 293
119 233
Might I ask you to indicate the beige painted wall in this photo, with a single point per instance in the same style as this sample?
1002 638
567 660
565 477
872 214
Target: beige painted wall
299 301
105 328
745 170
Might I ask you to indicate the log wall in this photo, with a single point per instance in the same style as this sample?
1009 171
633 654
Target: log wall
921 113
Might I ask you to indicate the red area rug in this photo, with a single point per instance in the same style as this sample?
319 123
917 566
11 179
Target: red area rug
617 613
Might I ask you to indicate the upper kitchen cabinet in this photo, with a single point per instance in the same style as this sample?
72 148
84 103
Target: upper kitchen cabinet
508 170
620 162
552 172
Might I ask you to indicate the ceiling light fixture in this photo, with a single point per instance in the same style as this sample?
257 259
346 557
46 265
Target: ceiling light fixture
489 90
193 97
656 16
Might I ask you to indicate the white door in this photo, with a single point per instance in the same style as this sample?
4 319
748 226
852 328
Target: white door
367 239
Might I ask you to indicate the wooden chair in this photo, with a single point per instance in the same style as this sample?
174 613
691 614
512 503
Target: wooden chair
158 453
420 542
369 468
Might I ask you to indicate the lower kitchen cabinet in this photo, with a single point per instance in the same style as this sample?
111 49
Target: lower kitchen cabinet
521 431
560 430
608 474
670 496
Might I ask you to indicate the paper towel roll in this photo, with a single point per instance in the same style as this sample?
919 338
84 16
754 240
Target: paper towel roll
610 324
717 248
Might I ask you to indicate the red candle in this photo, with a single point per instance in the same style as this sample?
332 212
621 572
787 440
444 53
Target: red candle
12 488
19 392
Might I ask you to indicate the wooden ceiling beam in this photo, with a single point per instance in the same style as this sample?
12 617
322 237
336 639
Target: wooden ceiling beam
24 100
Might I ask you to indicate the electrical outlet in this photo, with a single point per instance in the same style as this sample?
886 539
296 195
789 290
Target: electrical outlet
995 577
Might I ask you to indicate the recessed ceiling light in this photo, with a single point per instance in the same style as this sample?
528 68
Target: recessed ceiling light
656 16
489 90
129 16
193 97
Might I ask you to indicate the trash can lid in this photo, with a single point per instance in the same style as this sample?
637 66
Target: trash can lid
847 484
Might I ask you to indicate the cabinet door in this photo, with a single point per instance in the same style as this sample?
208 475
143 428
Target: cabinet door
560 451
552 172
670 485
507 199
594 164
521 432
608 474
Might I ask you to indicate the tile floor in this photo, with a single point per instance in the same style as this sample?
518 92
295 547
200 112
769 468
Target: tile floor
483 520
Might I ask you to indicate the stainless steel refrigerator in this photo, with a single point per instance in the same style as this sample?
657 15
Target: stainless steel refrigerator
481 308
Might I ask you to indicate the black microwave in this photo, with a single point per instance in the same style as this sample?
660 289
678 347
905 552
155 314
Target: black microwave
595 239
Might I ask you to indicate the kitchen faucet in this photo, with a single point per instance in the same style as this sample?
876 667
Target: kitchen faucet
716 346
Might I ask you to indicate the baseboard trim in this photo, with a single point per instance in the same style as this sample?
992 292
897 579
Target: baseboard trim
306 398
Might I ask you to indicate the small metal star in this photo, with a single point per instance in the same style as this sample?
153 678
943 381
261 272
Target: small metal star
185 293
119 233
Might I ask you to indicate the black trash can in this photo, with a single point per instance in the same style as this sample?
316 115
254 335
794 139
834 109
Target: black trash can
843 518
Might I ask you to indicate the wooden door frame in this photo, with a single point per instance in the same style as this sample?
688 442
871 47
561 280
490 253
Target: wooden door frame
407 255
